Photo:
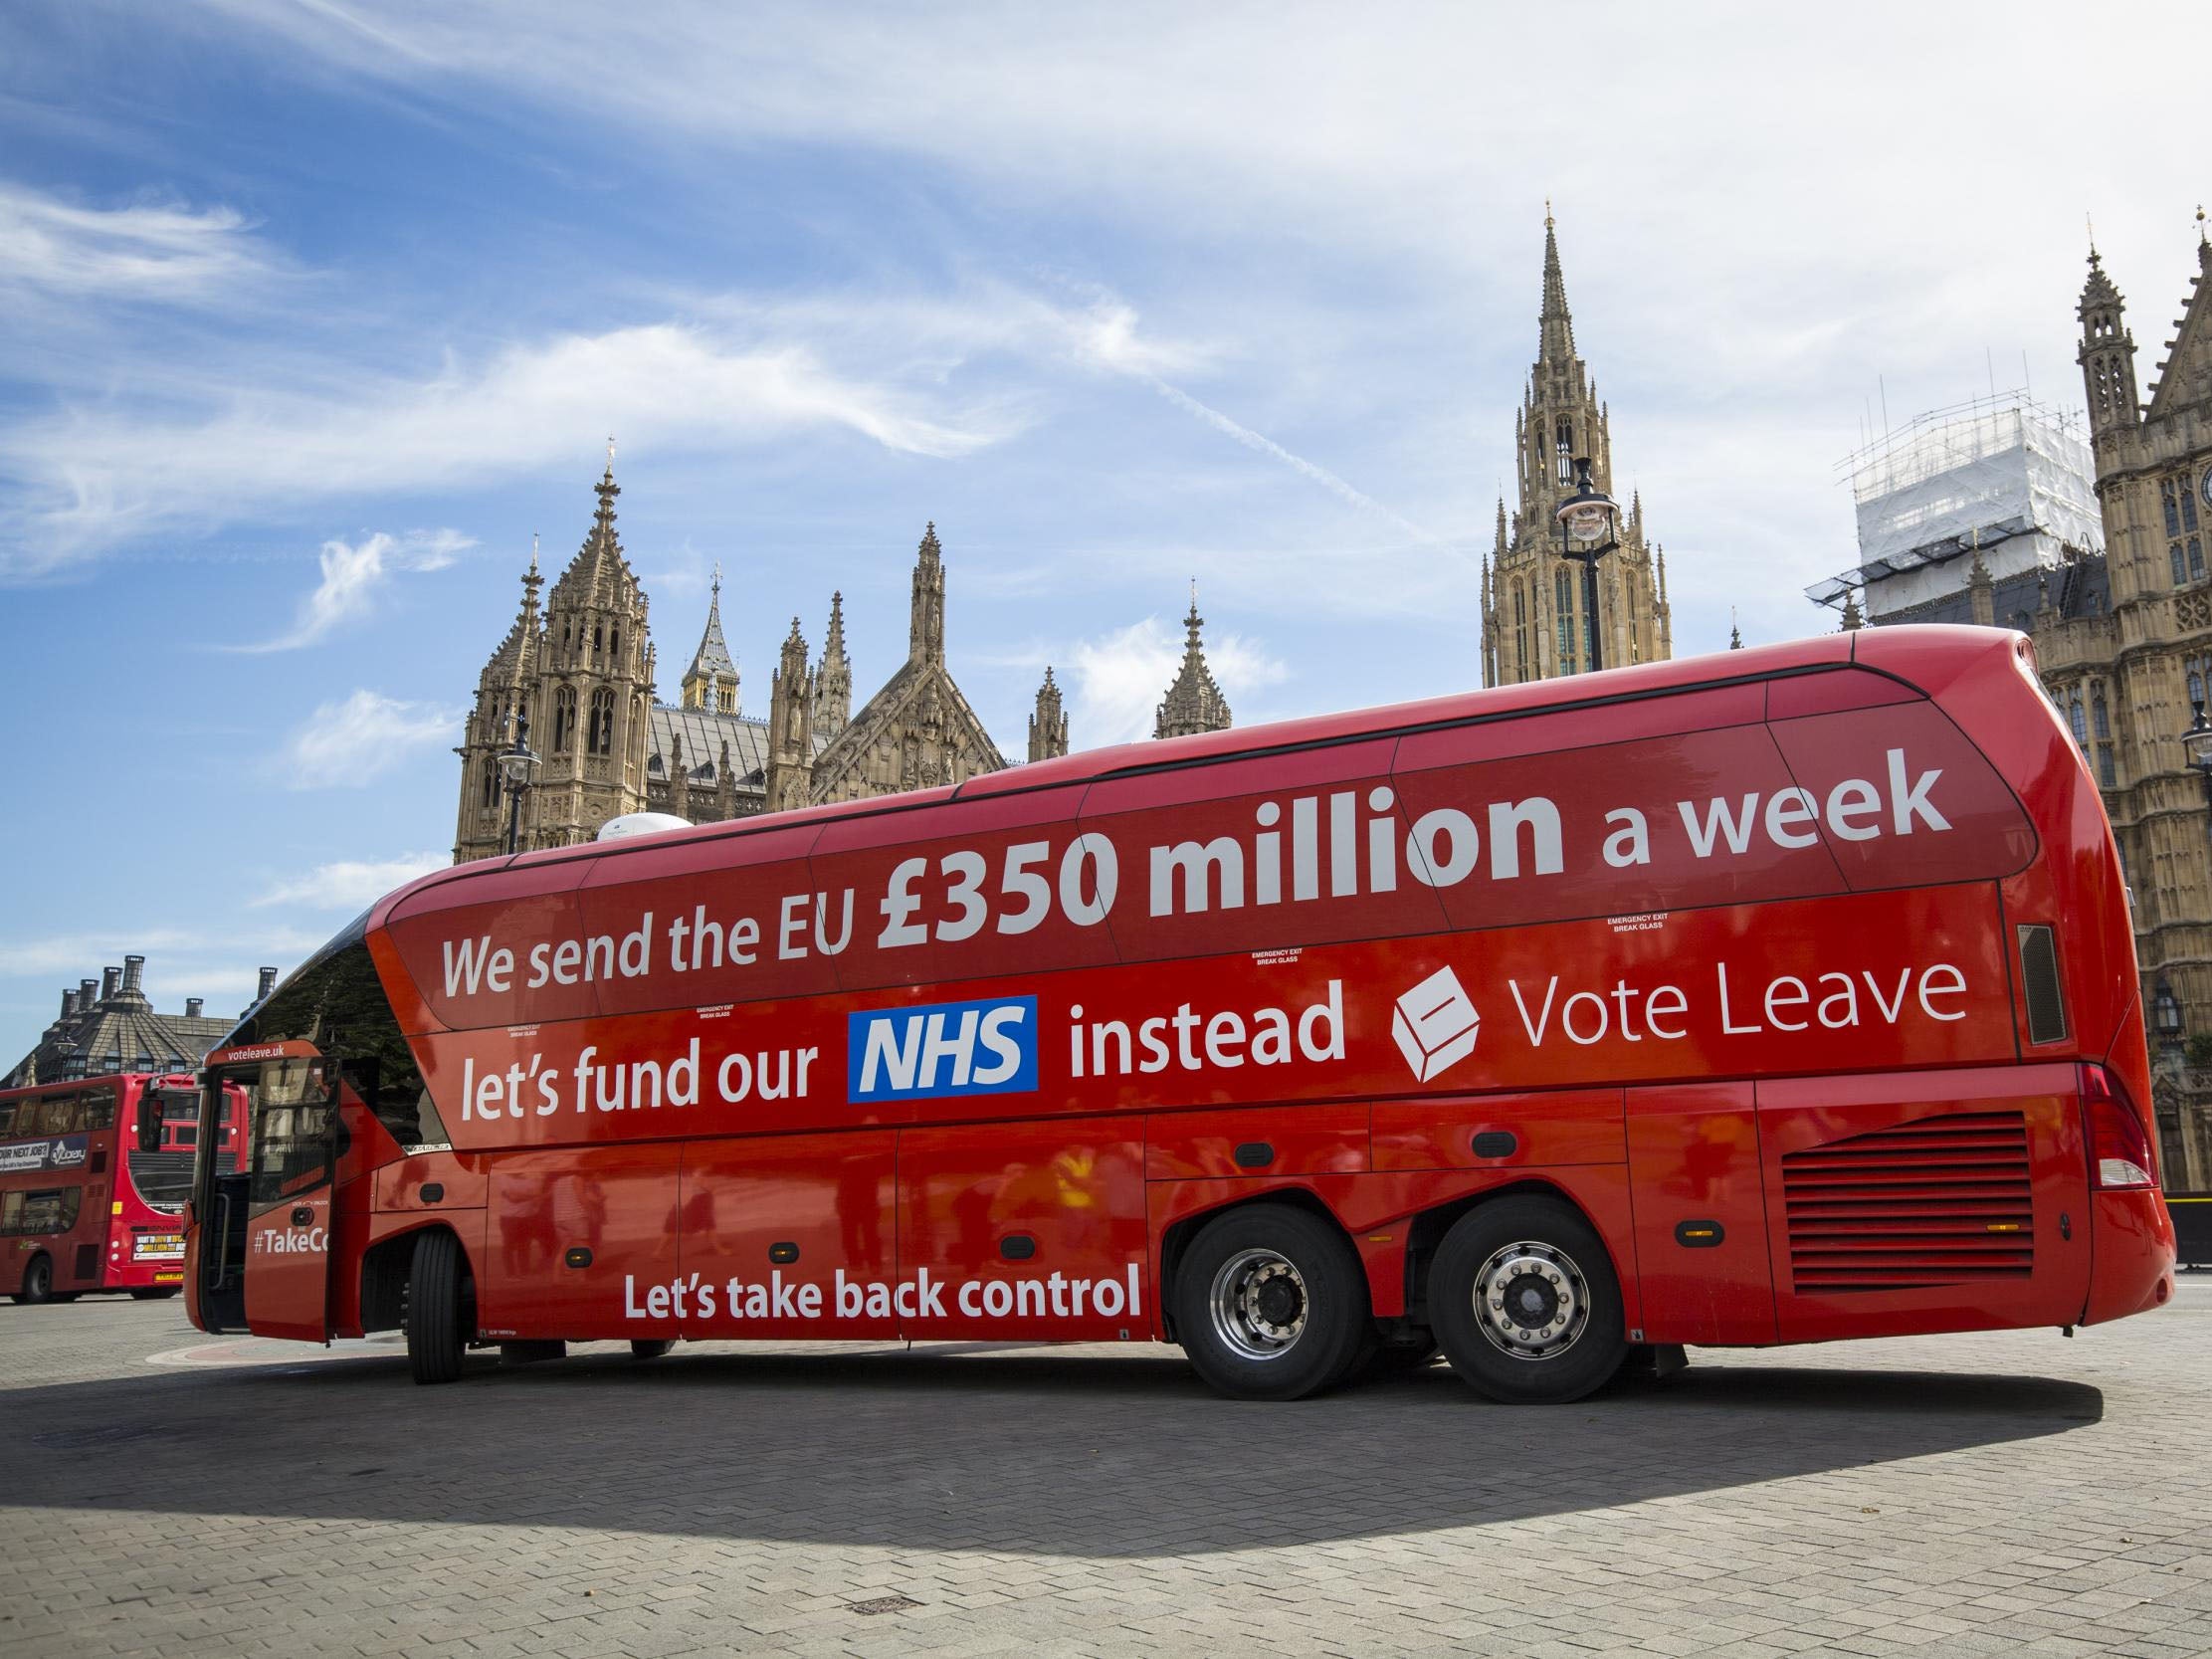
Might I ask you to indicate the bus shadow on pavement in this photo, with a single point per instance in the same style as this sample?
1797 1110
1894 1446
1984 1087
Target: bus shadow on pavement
1022 1451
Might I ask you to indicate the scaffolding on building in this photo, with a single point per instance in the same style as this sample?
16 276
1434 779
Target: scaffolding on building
1984 472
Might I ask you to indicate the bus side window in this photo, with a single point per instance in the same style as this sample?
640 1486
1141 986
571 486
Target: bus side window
7 1120
96 1110
51 1211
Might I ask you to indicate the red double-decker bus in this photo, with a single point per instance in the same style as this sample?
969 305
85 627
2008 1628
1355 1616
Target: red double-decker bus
1761 998
94 1178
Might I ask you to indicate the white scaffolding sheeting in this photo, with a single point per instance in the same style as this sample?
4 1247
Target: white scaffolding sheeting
1998 467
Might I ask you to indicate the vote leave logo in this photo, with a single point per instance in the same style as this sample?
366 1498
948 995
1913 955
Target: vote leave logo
1435 1024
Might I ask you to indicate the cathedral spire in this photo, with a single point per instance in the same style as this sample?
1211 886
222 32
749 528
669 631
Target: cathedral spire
1193 702
710 683
833 680
1555 345
1048 726
2106 354
926 630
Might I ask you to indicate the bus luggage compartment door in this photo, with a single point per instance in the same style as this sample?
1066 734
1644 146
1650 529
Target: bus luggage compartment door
1944 1200
1024 1231
1700 1214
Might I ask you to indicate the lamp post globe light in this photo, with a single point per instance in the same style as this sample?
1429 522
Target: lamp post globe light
1587 535
2165 1016
2197 740
517 762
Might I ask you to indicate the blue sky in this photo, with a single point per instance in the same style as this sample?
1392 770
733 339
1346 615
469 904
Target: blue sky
311 315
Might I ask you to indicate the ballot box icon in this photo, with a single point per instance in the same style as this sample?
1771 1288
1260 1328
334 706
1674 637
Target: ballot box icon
1435 1024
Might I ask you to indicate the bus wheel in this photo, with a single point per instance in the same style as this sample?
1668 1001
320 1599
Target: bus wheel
153 1293
1522 1296
434 1335
650 1347
1270 1303
37 1282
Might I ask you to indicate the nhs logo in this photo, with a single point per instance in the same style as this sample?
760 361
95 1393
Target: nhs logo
942 1048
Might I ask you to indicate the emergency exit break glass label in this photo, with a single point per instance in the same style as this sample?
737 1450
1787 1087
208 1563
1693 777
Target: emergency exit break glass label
942 1049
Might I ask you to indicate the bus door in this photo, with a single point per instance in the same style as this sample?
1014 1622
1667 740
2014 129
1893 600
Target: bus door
264 1233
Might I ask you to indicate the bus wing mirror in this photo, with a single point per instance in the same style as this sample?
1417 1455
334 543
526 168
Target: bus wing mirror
149 1122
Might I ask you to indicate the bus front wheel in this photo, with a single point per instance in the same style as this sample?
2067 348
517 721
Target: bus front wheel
1270 1303
435 1309
1522 1297
37 1282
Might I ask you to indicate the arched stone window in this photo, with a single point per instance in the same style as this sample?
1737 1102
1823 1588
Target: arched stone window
564 719
602 721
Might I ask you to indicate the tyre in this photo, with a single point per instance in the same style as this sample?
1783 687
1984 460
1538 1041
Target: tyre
1270 1303
650 1347
153 1293
1522 1298
37 1282
436 1303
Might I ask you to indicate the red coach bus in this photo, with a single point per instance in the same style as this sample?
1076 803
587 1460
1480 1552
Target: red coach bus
94 1178
1769 997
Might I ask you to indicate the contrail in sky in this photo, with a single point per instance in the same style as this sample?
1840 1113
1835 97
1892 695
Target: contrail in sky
1267 446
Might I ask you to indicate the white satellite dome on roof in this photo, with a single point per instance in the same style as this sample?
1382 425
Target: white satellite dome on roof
640 823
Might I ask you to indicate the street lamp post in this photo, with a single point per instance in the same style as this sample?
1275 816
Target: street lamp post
1587 535
517 762
2197 740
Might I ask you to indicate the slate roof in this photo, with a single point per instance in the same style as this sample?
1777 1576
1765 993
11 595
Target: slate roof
120 1033
2080 587
703 732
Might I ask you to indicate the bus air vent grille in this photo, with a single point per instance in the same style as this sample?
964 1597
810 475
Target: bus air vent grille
1937 1201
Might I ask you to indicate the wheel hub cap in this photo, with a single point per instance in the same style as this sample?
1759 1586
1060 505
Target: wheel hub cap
1257 1304
1532 1301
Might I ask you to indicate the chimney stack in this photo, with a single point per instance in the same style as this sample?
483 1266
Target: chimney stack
268 984
68 1001
87 992
110 978
193 1005
135 968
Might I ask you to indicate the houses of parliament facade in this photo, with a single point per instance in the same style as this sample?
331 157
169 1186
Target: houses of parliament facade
576 678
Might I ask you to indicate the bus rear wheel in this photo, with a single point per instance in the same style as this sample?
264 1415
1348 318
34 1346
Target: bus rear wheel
437 1307
650 1347
1522 1297
37 1282
1270 1303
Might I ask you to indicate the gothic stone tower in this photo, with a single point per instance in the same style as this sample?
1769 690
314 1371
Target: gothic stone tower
918 730
508 686
2128 675
1532 622
1048 726
1193 702
597 680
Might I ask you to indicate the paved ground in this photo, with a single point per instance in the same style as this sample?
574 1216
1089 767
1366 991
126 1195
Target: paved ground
2016 1494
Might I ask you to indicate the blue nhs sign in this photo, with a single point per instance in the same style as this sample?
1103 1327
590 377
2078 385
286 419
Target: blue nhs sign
942 1048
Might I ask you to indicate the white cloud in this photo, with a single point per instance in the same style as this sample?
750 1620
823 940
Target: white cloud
102 474
354 575
351 883
353 743
1120 676
151 252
